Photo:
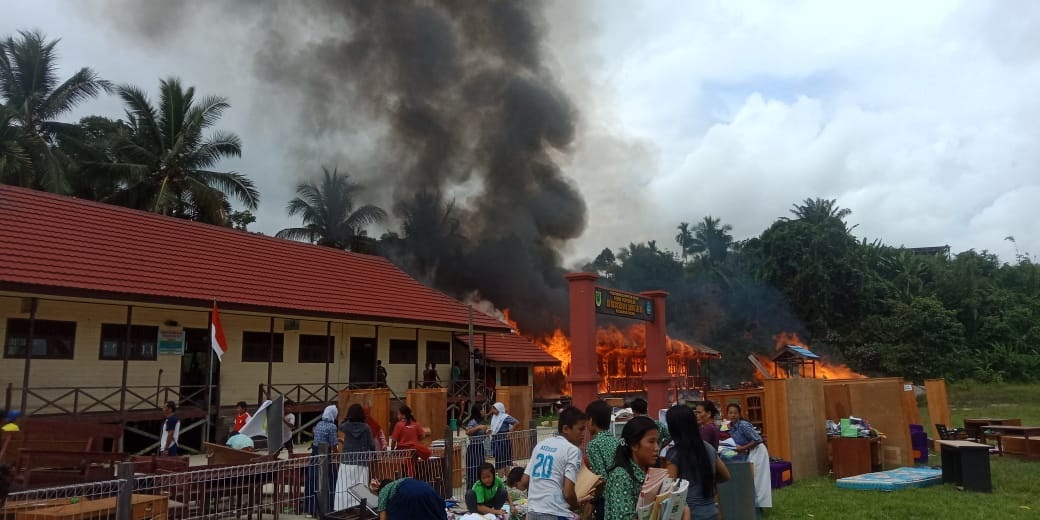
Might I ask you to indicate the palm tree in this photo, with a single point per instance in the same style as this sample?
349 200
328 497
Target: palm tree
711 238
30 91
430 231
818 210
684 239
329 216
14 160
166 161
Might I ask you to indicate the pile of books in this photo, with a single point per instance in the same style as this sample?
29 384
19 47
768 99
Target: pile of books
662 498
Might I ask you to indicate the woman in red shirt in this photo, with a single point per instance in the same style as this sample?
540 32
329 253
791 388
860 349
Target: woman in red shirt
406 436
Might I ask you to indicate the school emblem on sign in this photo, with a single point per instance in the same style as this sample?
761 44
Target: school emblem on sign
649 308
599 298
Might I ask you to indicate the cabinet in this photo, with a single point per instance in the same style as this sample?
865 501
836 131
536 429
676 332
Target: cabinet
852 456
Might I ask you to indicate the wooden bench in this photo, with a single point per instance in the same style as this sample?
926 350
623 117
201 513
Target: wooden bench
143 507
44 468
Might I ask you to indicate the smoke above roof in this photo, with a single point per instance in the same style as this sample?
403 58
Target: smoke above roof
451 100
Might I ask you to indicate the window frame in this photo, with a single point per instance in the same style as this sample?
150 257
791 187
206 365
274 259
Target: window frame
139 334
41 332
443 358
316 355
256 346
398 357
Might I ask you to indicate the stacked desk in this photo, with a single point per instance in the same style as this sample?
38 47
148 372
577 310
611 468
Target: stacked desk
966 464
999 432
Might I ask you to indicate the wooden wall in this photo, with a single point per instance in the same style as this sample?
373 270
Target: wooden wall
377 400
429 406
751 401
795 411
880 401
938 405
518 401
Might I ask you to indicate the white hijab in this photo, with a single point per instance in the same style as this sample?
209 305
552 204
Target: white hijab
330 414
500 418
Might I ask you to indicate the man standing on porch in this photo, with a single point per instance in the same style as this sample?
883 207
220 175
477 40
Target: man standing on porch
171 431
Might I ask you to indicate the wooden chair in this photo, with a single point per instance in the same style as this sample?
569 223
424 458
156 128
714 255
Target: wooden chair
950 434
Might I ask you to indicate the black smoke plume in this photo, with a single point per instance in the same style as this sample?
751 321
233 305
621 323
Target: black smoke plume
455 103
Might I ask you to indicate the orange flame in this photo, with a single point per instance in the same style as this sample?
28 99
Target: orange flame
621 359
821 369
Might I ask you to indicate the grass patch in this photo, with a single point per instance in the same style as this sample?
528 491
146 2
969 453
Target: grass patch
1016 482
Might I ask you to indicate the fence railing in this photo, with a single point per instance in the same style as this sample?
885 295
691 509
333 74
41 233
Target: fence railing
102 399
313 484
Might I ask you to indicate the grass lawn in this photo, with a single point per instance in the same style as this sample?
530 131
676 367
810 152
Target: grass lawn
1016 483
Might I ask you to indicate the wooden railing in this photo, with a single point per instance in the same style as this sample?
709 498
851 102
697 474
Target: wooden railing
309 393
103 399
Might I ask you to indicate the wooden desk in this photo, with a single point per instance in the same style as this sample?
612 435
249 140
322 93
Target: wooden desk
144 507
13 507
966 464
851 456
999 432
974 427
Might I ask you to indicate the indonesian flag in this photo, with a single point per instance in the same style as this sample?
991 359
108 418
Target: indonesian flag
216 334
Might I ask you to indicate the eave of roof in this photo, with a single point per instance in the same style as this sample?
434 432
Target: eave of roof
510 348
60 245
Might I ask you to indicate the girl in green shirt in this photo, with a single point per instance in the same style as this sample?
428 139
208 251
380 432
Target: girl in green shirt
636 454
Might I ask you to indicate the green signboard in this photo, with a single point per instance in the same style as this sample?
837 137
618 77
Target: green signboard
623 304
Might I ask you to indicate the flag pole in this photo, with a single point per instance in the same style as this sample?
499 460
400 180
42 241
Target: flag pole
209 380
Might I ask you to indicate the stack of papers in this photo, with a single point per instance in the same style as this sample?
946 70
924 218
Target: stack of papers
661 498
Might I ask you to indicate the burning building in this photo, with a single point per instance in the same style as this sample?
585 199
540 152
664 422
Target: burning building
621 362
793 358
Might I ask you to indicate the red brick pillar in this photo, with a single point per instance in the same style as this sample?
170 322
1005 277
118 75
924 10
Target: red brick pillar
656 379
583 377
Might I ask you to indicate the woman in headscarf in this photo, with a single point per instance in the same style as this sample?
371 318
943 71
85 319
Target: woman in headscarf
325 432
357 452
501 445
475 455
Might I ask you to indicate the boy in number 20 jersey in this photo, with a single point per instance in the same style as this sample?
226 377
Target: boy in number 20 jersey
553 469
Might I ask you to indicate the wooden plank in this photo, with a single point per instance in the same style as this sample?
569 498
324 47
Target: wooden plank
836 399
875 400
428 406
938 405
377 400
795 410
144 506
910 410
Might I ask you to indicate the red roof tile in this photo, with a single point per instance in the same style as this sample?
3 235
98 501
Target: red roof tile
510 348
61 245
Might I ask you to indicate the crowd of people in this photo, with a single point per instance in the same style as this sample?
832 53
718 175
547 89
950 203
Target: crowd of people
686 444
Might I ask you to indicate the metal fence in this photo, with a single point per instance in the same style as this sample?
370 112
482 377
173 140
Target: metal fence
303 484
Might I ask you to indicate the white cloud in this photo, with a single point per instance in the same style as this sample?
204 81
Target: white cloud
920 117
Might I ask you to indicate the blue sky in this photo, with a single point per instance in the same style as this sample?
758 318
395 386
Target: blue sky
919 117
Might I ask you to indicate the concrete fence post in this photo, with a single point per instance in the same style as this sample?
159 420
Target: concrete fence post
124 500
324 491
449 462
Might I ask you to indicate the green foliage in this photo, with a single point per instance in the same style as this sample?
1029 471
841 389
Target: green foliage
329 215
33 98
881 310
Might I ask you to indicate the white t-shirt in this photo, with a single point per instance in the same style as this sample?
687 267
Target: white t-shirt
286 429
552 460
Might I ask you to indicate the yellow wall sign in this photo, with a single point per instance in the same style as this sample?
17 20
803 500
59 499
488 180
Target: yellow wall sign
623 304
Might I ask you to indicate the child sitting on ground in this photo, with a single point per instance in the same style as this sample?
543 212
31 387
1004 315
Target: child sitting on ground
489 494
517 498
